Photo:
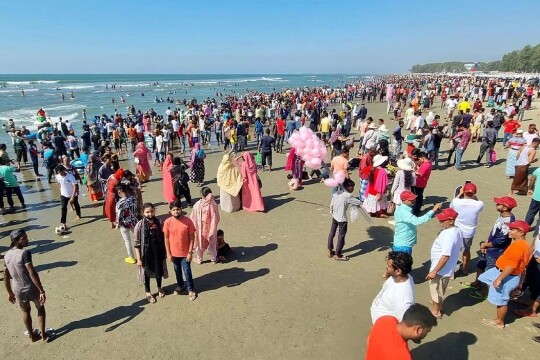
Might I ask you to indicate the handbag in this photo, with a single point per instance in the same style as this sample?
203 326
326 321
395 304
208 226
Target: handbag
391 208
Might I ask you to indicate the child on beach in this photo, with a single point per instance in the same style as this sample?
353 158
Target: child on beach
223 249
34 157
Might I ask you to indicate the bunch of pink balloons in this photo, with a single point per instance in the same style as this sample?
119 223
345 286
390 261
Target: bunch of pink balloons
309 147
337 178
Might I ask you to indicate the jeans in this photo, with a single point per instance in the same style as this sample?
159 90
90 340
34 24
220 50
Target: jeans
341 236
183 142
65 200
534 208
17 191
181 264
219 137
506 137
258 137
459 155
419 192
279 143
126 235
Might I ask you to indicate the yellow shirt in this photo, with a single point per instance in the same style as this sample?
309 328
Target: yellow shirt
325 124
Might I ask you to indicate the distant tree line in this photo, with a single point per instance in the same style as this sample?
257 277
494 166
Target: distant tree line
524 60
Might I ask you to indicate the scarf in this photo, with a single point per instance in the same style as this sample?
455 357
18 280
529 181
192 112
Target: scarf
248 166
197 218
229 178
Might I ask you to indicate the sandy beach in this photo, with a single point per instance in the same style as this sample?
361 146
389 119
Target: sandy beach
278 297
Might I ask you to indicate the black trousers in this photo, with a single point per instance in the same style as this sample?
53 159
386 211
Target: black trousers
341 236
65 200
419 192
17 191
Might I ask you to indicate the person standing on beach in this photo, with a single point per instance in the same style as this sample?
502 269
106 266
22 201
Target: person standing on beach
23 284
69 193
423 173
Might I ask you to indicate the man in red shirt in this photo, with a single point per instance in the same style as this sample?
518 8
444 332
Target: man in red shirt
179 234
510 127
388 337
280 126
422 176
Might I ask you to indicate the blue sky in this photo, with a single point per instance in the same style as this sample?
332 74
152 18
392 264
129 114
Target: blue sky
257 36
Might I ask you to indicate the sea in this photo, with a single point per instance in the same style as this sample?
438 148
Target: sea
67 95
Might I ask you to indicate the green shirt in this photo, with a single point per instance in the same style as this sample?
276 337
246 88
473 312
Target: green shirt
9 179
536 192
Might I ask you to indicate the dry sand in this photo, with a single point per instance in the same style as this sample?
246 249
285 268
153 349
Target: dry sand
279 297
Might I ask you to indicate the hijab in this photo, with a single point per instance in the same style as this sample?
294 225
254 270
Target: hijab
196 153
229 178
249 165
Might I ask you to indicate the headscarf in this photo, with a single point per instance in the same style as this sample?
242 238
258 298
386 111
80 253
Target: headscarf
196 153
229 178
91 170
250 166
141 146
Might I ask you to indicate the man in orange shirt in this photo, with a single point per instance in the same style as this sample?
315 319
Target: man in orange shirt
505 276
388 337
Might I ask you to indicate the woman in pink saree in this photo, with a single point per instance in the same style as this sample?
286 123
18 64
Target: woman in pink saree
168 192
205 217
251 192
142 155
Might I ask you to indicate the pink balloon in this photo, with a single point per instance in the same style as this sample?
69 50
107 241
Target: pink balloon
304 132
315 162
295 136
307 157
330 182
304 136
309 144
315 152
300 144
300 151
339 176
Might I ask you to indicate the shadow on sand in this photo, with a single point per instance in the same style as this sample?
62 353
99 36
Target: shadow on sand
449 347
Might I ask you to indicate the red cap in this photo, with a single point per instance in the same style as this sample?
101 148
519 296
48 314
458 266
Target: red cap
407 195
520 225
447 214
507 201
469 188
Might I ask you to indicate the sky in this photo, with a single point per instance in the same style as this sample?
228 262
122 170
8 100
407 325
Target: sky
257 36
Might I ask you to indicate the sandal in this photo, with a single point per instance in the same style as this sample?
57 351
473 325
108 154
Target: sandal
179 290
468 285
477 295
192 295
161 294
151 299
438 316
492 323
331 253
341 258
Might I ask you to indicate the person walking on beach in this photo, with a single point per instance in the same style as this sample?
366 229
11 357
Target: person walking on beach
23 284
69 193
11 185
150 251
525 157
180 235
205 217
338 208
126 219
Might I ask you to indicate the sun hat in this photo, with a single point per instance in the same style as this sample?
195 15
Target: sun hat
447 214
507 201
520 225
379 159
407 195
383 128
520 131
405 164
470 188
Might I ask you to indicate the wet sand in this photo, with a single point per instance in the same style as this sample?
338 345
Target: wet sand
277 297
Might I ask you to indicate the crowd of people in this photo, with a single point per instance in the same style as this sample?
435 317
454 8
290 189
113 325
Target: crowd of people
394 169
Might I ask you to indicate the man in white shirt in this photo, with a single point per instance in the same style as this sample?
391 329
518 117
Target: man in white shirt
397 293
69 193
451 105
469 208
444 257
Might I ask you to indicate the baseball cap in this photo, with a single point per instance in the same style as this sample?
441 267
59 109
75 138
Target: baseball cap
447 214
507 201
520 225
16 235
469 188
407 195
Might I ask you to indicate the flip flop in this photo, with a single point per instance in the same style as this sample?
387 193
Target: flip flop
331 253
492 323
161 294
341 258
192 296
151 299
179 290
51 333
476 295
36 332
468 285
524 313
